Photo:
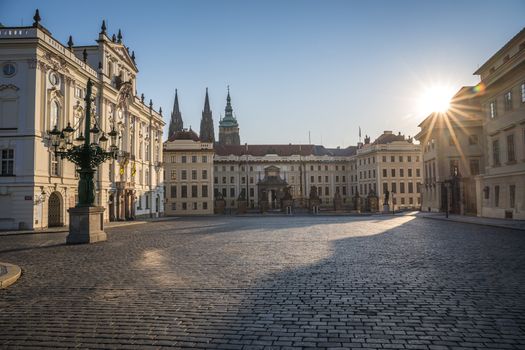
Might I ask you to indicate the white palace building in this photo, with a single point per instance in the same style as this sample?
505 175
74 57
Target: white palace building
42 84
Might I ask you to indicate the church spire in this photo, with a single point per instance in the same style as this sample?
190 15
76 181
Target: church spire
176 123
228 126
207 133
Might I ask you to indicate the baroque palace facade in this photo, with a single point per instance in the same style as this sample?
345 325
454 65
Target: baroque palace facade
262 174
42 84
474 154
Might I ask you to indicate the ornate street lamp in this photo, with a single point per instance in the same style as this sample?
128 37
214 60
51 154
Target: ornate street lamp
86 219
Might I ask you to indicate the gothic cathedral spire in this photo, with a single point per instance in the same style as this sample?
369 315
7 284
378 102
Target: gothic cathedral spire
176 123
207 133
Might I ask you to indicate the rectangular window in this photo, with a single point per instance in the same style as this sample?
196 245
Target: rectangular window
336 178
174 174
523 92
410 187
512 196
205 160
392 159
224 179
418 172
511 154
243 180
496 196
326 191
401 187
344 178
312 179
508 101
8 162
393 172
194 193
194 159
232 192
147 201
319 179
474 167
252 192
492 110
173 191
410 172
184 191
400 158
183 159
402 200
385 187
251 179
183 175
195 206
401 172
384 173
394 187
409 158
418 187
205 174
194 174
173 206
344 190
54 164
232 179
495 153
384 159
184 206
205 205
473 139
224 193
204 191
215 180
326 179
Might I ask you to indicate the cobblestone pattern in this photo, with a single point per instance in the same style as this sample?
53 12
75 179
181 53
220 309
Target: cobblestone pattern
270 283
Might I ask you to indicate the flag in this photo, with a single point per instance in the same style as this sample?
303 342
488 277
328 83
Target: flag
359 132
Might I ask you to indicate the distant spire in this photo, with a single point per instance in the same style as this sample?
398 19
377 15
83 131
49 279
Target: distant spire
103 27
119 37
37 18
70 43
228 126
207 131
206 102
176 123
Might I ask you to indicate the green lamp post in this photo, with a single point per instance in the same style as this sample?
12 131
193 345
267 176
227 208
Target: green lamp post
86 219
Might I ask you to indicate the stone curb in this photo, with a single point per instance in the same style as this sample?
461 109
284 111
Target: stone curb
473 223
11 274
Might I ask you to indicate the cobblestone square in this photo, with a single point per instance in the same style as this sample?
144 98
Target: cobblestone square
377 282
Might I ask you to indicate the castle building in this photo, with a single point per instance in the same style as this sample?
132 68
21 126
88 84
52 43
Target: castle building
42 85
188 174
452 150
391 164
228 126
503 106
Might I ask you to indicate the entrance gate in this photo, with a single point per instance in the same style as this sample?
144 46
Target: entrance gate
54 217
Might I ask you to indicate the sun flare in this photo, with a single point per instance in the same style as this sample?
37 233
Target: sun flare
435 98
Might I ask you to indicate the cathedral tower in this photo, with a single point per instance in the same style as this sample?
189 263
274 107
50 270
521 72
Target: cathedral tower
176 123
207 133
228 126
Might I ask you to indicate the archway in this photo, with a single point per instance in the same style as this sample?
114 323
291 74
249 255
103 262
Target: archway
54 210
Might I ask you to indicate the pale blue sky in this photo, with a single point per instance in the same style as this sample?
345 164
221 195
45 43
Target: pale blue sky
326 67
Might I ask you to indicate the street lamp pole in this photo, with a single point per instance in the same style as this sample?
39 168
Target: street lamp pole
86 219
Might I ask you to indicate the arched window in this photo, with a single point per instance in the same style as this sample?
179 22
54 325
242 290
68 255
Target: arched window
54 115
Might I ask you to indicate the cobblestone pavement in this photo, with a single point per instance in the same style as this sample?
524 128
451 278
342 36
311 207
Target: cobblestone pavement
268 283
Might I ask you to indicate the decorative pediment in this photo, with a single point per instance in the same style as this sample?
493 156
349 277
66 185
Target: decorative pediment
123 54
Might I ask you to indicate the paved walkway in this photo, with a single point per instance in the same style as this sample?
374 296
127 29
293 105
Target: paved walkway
379 282
512 224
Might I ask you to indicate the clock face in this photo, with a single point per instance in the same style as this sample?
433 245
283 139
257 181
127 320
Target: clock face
54 79
9 69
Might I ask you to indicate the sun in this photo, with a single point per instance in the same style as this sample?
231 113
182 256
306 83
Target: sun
435 98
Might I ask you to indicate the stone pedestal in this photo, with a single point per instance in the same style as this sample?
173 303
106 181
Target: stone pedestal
242 205
86 225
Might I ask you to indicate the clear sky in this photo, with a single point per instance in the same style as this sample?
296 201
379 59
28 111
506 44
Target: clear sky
294 67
